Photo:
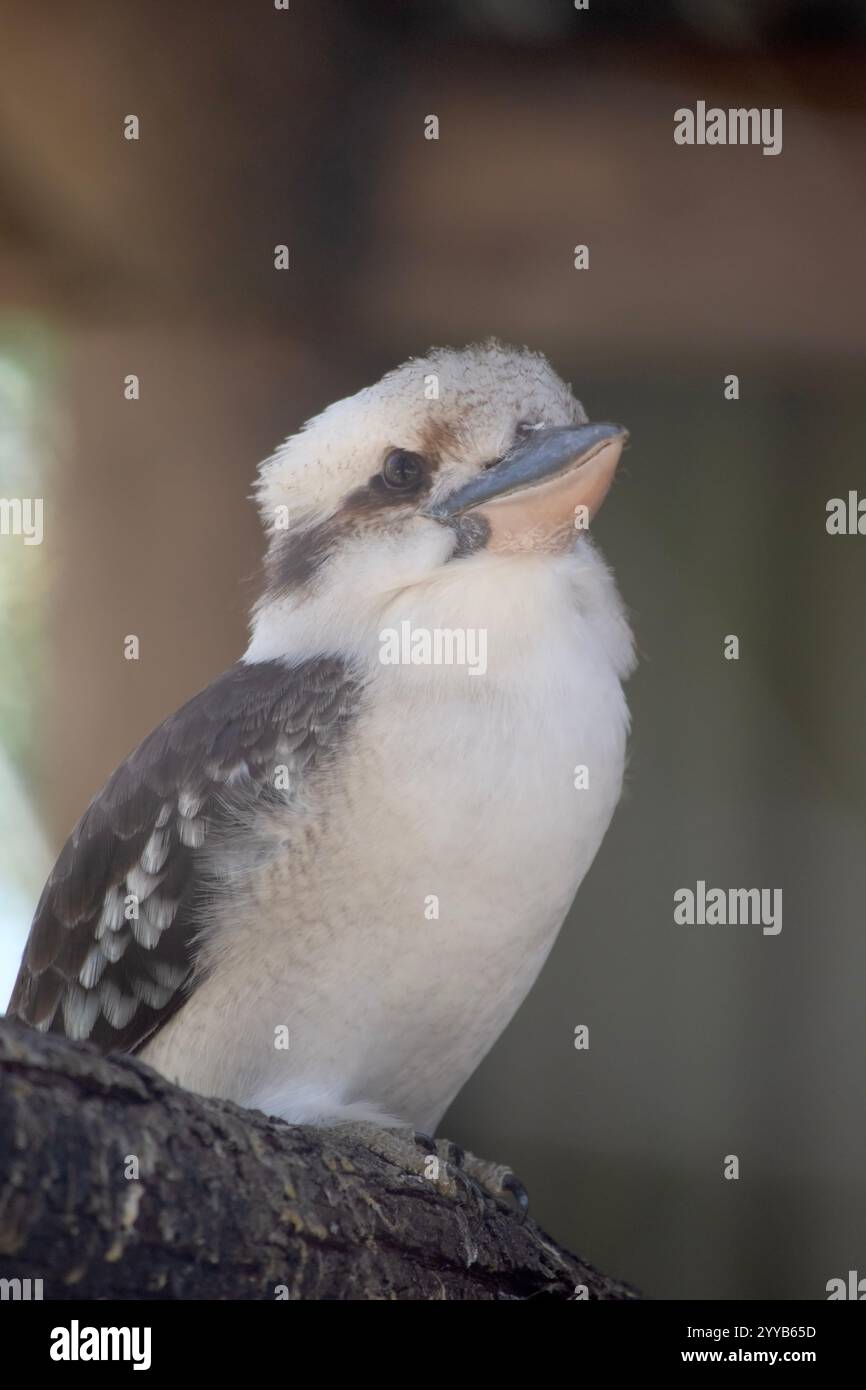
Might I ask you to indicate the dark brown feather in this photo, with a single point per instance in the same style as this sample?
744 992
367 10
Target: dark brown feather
87 971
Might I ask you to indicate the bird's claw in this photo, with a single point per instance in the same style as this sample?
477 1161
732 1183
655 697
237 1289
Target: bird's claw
482 1178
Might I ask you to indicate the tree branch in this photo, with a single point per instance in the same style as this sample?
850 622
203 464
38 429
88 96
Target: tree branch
229 1204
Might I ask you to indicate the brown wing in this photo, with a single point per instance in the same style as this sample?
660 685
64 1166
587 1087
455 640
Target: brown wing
111 950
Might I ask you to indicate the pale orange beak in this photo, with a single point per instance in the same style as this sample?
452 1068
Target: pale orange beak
544 490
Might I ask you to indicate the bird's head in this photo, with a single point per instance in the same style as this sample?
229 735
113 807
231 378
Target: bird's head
453 456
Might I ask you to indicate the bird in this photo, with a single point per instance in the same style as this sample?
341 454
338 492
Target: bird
323 886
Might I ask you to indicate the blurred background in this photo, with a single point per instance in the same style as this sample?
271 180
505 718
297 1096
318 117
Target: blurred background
156 257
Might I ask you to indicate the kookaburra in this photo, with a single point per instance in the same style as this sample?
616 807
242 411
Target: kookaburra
324 885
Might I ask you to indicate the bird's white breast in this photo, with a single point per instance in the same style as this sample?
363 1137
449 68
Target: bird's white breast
414 895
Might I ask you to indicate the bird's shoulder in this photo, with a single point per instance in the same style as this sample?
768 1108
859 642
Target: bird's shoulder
110 955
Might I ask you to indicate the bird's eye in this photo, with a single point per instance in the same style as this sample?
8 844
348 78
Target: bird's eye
403 470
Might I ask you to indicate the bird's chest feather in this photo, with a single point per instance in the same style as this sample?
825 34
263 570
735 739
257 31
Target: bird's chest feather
428 876
478 812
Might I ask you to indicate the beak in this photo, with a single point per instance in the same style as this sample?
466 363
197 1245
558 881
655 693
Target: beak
537 488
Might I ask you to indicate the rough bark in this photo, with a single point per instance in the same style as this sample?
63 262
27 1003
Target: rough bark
230 1204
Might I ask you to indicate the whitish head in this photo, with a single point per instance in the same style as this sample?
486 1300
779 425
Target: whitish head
484 451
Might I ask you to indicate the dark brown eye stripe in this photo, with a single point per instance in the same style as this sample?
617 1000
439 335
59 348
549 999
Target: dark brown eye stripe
296 558
376 495
292 562
440 438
